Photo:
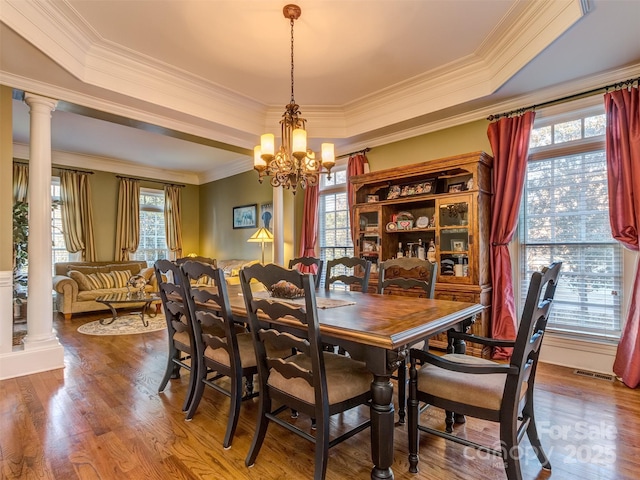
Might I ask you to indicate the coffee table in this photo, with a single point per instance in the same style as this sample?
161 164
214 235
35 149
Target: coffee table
114 300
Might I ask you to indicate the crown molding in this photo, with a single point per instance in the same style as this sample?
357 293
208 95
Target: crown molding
529 29
240 165
219 133
103 164
57 30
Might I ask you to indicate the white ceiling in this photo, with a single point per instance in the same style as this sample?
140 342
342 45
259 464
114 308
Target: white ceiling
207 77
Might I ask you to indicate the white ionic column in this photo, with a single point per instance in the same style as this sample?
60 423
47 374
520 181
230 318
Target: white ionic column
278 226
40 282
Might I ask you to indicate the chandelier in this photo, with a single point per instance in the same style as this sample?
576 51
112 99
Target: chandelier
293 164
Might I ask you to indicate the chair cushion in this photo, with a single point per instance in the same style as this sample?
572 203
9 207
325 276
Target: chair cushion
484 391
346 378
182 337
247 353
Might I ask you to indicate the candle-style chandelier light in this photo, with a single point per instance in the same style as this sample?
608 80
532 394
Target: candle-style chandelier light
293 164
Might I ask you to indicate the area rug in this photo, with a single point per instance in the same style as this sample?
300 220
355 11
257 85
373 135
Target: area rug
125 325
19 332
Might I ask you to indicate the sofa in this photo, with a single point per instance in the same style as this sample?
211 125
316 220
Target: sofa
231 269
78 284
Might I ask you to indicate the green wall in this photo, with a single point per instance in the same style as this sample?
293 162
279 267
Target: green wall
470 137
6 175
218 238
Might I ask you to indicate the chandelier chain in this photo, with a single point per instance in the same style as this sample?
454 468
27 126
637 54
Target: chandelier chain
292 98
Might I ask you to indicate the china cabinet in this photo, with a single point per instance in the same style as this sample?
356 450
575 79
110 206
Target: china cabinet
440 210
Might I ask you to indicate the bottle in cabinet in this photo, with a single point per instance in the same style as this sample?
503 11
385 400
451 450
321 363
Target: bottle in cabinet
431 251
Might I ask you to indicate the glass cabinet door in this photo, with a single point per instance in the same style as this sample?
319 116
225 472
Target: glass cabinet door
369 235
453 245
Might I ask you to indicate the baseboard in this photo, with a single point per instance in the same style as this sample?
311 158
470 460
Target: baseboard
578 353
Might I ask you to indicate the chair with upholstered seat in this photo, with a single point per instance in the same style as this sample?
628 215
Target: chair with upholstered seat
316 383
411 276
179 332
485 389
312 262
339 271
223 347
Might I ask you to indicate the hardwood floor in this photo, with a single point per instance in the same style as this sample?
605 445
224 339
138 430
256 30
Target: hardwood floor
101 418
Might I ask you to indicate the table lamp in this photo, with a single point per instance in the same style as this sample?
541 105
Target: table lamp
262 235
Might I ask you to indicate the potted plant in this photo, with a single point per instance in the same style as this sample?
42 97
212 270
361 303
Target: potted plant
20 258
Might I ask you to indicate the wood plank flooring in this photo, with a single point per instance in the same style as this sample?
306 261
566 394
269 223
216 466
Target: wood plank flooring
101 417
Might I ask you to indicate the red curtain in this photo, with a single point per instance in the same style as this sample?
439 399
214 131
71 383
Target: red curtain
309 227
358 164
509 138
623 170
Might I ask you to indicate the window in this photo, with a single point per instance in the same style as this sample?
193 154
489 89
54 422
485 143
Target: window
153 243
565 216
59 252
333 208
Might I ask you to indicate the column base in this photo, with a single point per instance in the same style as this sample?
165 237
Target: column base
41 358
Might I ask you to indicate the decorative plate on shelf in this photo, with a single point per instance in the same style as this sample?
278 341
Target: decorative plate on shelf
422 222
391 226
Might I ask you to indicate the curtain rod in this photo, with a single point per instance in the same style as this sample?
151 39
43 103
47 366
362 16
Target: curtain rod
364 150
86 172
26 162
151 180
575 96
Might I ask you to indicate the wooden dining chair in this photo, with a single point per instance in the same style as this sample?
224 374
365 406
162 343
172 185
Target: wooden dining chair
412 275
180 336
197 258
339 270
316 383
485 389
407 276
223 347
308 262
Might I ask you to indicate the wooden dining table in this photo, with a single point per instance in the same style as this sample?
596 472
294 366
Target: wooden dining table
378 330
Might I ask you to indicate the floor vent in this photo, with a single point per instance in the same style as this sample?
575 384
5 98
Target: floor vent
599 376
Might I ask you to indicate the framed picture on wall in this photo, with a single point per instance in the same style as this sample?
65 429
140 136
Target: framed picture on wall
245 216
266 215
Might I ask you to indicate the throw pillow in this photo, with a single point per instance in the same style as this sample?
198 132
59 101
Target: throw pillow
81 279
100 280
120 277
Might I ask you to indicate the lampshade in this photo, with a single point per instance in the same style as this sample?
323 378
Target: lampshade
262 235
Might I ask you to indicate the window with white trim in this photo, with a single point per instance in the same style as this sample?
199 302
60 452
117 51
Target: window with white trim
153 242
333 229
565 216
59 252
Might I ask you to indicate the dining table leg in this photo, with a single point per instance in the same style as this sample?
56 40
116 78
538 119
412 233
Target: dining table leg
382 427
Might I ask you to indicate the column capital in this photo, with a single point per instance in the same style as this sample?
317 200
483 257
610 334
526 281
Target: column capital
33 100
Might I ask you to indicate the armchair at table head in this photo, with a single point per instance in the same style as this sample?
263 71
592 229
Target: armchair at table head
338 271
488 390
306 379
180 336
223 347
309 262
